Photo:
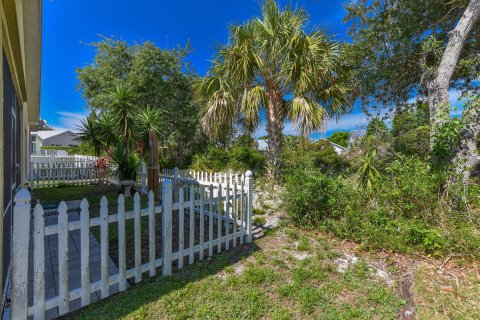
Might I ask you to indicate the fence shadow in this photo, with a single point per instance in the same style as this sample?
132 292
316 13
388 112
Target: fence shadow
138 295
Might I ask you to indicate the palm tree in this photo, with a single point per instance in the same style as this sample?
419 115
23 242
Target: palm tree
272 63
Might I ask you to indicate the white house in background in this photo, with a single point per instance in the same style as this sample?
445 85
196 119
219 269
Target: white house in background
54 138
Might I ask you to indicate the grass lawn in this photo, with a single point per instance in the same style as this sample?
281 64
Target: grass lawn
275 278
442 298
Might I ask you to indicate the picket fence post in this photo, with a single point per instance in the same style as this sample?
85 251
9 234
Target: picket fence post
144 178
248 182
38 263
175 189
167 227
21 232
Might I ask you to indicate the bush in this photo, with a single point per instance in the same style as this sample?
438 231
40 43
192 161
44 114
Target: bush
298 154
238 158
311 197
414 142
408 211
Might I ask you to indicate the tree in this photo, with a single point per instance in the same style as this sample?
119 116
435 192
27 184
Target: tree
414 48
272 63
157 78
340 138
377 127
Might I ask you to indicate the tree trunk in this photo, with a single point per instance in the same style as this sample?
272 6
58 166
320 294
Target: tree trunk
438 88
275 134
466 156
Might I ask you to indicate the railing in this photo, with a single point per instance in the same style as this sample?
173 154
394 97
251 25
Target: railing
197 206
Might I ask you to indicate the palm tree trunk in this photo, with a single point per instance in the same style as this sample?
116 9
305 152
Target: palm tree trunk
275 134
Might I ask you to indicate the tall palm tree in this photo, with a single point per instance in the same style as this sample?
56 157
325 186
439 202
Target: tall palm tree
272 63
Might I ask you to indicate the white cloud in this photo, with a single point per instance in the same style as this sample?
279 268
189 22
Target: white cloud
348 122
69 120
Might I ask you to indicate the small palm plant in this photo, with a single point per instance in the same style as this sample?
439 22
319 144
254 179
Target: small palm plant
367 172
273 63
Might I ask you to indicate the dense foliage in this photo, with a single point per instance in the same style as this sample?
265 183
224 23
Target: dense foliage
321 155
156 78
241 156
392 193
408 209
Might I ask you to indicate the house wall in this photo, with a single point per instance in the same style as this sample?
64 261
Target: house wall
65 139
20 39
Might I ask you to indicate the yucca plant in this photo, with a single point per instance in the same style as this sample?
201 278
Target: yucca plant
368 174
273 63
124 111
124 165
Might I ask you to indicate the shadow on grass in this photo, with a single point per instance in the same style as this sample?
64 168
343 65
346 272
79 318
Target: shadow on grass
151 289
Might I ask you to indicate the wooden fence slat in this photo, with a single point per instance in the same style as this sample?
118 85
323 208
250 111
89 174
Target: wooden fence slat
105 292
38 263
235 210
122 267
210 222
167 227
85 252
181 227
227 216
219 219
138 238
63 298
151 232
191 229
202 222
242 212
249 209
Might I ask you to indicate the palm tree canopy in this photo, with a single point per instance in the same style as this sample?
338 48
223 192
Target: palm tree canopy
273 57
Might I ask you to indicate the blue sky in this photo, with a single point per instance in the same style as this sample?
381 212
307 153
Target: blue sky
68 26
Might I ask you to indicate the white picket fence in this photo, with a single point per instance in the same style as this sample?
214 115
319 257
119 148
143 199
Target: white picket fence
52 171
204 177
228 207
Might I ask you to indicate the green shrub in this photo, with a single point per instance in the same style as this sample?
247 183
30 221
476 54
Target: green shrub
310 196
408 211
258 212
298 154
414 142
238 158
259 221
